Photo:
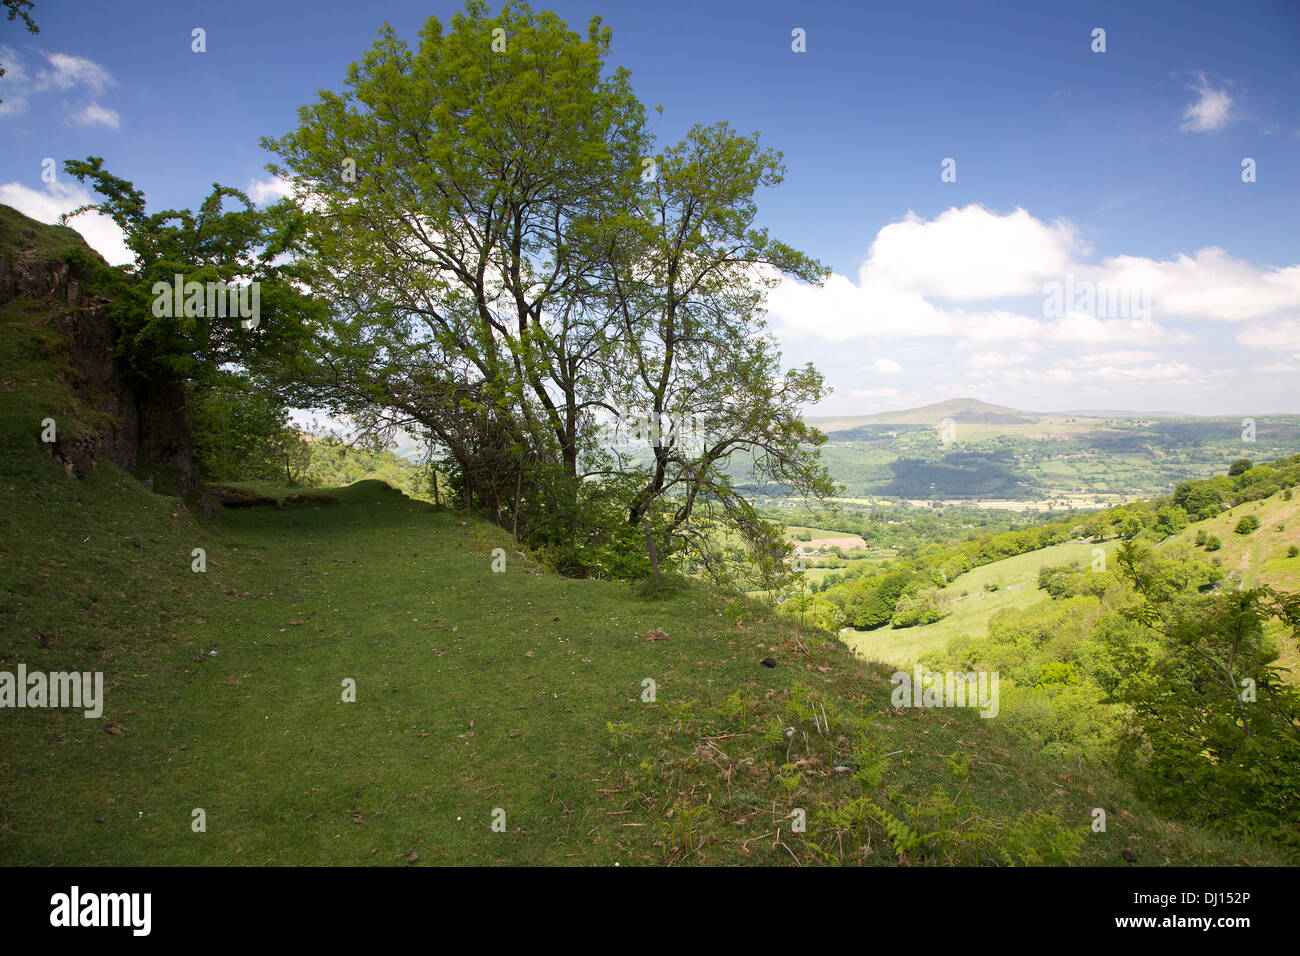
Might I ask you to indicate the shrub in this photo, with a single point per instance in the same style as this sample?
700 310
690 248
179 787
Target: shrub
1212 543
668 585
922 607
1247 524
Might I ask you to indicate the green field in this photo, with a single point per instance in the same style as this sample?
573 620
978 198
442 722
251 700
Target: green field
972 604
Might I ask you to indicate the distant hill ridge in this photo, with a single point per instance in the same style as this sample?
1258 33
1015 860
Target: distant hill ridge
973 411
970 411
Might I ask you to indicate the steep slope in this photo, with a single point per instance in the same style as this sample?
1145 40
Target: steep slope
83 404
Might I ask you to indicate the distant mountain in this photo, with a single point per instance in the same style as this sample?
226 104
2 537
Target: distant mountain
972 411
963 411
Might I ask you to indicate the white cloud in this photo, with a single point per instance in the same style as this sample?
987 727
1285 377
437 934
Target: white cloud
268 190
989 360
15 84
873 392
840 310
1208 285
1077 328
970 254
1119 357
1000 325
100 232
94 113
915 265
65 72
68 71
886 366
1210 111
1173 371
1279 336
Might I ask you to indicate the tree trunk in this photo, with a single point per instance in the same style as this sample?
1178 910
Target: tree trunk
650 544
519 480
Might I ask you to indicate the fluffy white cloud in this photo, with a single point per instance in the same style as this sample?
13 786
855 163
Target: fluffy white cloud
1208 285
101 233
886 366
1000 325
1210 111
840 310
970 254
269 190
96 114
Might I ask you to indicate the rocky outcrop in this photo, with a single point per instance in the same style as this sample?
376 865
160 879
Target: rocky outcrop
132 423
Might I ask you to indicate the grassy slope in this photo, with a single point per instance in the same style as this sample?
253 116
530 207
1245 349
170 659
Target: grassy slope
972 605
450 659
1260 557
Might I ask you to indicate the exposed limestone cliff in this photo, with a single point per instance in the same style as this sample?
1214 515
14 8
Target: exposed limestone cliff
138 425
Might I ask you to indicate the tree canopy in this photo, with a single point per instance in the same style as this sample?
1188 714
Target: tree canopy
512 272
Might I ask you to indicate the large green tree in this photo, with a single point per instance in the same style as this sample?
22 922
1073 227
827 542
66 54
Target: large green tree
511 270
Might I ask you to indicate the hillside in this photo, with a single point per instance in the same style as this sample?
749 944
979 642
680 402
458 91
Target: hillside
973 597
1261 556
475 691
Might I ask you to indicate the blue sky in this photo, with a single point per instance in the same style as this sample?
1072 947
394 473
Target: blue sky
1121 168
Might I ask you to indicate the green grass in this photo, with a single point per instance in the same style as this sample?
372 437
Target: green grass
792 532
45 240
972 604
1259 557
475 690
814 574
